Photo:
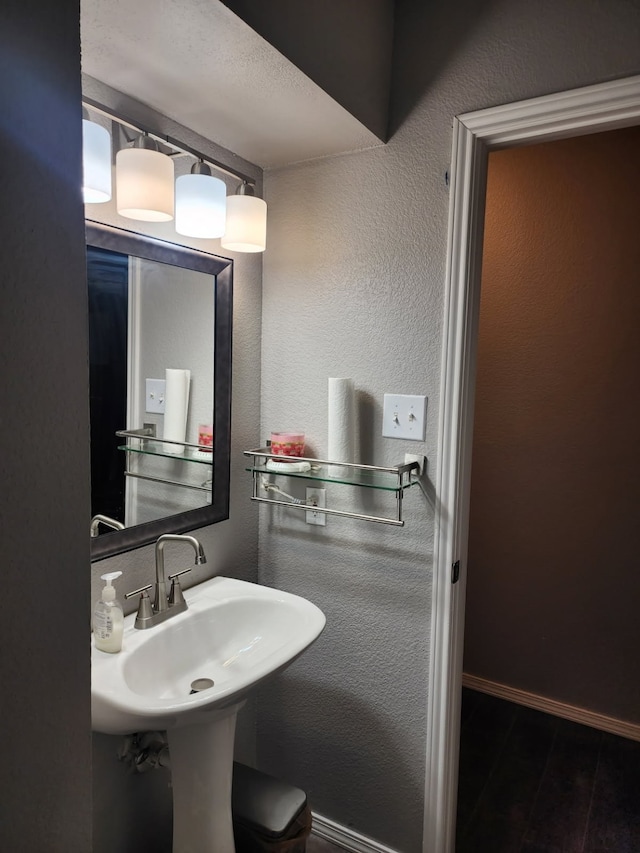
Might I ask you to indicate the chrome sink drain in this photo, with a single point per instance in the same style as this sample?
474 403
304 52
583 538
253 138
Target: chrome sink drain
201 684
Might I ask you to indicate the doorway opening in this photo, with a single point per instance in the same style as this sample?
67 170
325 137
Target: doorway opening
603 107
553 503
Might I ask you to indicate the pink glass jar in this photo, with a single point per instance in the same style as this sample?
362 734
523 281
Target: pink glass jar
205 438
287 443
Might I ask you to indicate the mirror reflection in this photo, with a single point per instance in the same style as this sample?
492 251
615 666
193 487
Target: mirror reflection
156 313
151 329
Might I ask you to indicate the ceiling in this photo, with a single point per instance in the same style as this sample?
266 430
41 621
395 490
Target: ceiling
202 66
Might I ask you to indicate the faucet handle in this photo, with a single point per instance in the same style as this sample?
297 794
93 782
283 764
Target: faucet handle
175 595
136 591
145 611
177 574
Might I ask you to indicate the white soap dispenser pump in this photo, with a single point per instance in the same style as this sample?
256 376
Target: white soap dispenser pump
108 617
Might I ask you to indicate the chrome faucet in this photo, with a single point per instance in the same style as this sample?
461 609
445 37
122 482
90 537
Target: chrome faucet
165 605
161 602
97 520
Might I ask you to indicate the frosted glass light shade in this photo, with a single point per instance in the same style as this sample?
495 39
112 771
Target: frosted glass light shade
246 229
96 163
201 203
144 185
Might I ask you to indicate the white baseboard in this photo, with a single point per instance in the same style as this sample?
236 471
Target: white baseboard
551 706
346 838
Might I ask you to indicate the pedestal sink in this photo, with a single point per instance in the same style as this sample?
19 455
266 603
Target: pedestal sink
234 634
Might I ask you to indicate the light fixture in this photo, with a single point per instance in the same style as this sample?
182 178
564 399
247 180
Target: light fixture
200 203
146 188
144 182
96 161
246 229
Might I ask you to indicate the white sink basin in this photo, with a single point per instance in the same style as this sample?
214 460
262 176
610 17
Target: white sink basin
234 633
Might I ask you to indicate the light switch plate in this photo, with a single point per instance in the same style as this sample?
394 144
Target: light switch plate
404 416
154 396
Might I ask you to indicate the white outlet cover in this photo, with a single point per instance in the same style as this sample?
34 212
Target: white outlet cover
154 396
319 498
404 416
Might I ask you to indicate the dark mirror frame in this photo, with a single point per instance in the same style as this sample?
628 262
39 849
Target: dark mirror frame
221 269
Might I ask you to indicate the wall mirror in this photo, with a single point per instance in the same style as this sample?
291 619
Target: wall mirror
160 320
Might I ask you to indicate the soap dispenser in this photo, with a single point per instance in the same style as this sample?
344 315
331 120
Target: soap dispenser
108 618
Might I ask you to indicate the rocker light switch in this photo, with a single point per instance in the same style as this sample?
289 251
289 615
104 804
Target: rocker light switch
404 416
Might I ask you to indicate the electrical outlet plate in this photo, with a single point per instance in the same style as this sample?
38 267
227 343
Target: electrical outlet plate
154 396
404 416
318 498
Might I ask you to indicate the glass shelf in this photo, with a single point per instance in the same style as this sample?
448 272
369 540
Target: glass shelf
368 479
144 442
151 449
389 479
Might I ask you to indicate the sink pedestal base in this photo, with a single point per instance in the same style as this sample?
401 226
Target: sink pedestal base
201 773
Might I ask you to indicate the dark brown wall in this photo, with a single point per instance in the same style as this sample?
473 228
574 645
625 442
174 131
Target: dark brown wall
554 574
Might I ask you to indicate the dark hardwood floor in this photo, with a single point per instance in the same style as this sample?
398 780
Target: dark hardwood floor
533 783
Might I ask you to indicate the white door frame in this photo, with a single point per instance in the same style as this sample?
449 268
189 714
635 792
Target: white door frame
606 106
135 394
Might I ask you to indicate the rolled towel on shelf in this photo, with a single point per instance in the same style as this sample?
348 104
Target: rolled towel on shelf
341 425
176 408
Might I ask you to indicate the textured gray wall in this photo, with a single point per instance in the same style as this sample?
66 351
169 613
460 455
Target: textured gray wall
353 286
45 772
